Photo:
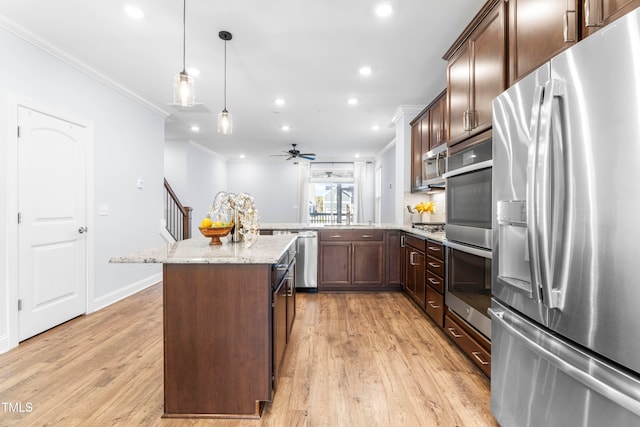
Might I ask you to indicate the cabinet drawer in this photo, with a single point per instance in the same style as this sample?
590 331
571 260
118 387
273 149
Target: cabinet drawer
435 306
415 241
435 249
351 235
435 281
464 339
435 265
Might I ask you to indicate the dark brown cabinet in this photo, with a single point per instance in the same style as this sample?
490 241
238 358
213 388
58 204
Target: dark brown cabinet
437 122
428 130
350 259
598 13
393 252
415 269
536 37
476 72
474 345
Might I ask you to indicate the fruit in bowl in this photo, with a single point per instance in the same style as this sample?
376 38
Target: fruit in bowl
215 230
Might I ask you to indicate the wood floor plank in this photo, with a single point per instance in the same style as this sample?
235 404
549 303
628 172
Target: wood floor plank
365 359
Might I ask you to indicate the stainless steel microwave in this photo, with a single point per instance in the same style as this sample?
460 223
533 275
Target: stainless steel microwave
434 165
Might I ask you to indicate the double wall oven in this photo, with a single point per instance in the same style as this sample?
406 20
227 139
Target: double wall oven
468 234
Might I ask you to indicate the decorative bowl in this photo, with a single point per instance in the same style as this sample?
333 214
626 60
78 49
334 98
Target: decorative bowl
215 233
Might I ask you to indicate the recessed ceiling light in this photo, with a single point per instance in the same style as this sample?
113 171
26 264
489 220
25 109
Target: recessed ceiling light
195 128
375 127
285 128
352 101
193 71
365 71
357 156
134 12
279 101
242 156
384 9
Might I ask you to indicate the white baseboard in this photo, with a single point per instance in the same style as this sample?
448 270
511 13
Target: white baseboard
4 344
106 300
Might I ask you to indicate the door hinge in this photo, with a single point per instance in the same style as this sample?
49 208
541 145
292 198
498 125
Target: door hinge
19 217
19 304
18 131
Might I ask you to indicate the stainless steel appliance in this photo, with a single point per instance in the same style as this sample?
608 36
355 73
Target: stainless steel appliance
468 195
306 259
565 347
434 165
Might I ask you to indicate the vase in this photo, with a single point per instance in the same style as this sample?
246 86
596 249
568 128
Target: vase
425 217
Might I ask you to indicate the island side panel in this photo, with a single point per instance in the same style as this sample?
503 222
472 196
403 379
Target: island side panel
217 339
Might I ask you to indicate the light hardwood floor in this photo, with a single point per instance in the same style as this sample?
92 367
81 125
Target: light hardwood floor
354 360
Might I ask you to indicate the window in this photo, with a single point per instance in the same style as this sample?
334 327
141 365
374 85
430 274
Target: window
331 192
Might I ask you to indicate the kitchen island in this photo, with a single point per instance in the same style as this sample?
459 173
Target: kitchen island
228 312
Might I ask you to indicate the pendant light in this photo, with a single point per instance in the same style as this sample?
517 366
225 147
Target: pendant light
225 124
183 90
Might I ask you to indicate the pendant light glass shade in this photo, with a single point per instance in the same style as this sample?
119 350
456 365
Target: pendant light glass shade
225 122
183 90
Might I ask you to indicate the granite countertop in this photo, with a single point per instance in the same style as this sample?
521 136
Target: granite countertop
439 236
266 250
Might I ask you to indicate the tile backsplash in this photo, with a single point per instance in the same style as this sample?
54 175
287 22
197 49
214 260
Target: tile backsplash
412 199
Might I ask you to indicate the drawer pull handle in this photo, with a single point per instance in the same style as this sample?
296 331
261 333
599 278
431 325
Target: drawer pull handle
367 236
478 357
336 236
433 305
434 265
433 281
434 248
454 333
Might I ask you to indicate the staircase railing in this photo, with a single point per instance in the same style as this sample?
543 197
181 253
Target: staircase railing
177 217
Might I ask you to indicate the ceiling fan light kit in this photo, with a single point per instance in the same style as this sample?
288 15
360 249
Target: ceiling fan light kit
225 122
183 83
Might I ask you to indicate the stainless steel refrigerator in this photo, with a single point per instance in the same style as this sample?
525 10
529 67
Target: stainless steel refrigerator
565 315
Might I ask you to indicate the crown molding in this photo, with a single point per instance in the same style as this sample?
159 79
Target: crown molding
60 54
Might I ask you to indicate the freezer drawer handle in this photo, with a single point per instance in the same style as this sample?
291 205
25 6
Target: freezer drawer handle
479 358
613 393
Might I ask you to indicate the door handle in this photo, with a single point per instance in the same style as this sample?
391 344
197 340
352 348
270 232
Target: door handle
82 230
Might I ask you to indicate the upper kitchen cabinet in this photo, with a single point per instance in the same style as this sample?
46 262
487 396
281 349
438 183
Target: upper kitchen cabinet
437 122
476 72
538 30
419 146
598 13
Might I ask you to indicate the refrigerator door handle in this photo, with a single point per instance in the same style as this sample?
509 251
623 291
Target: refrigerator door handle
532 161
547 188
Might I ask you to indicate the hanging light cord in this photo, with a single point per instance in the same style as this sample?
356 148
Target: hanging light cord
184 35
225 75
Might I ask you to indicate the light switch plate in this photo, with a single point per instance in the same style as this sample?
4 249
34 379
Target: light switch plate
140 183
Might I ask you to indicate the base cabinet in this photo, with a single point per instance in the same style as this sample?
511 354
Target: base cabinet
415 268
351 260
473 344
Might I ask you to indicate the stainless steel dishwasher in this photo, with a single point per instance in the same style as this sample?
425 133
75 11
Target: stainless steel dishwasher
306 259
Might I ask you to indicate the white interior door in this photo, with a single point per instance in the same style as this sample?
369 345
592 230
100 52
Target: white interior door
52 247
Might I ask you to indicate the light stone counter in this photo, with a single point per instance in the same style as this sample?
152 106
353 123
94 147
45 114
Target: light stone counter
439 236
266 250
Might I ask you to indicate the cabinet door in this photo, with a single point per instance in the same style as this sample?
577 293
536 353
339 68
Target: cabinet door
436 120
393 258
416 155
279 330
536 37
334 263
458 88
598 13
367 264
420 270
488 68
409 271
291 300
425 133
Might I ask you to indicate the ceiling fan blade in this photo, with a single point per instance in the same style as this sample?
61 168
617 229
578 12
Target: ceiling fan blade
307 154
308 157
290 157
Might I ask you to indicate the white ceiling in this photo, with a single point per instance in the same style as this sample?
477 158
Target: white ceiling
307 52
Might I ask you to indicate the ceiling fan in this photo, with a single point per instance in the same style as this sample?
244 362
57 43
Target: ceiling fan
295 153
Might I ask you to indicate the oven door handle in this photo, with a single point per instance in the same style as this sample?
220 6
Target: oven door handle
471 168
468 249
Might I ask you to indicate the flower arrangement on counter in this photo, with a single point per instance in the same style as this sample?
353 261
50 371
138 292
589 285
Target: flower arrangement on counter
426 207
241 209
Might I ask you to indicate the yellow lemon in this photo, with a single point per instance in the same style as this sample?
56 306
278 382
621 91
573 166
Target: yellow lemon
206 223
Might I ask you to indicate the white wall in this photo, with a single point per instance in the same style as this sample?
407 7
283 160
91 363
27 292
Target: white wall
196 175
273 185
128 144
